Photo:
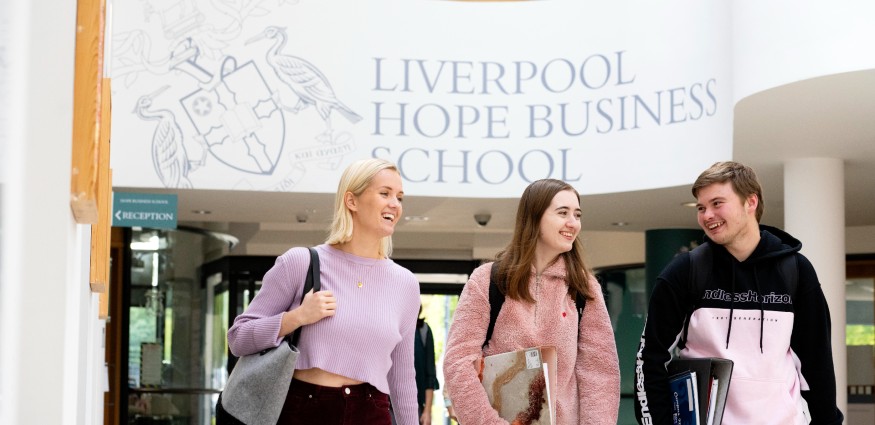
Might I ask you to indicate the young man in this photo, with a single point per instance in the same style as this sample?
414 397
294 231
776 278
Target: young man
777 336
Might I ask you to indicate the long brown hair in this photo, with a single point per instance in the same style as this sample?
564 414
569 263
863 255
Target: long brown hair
515 261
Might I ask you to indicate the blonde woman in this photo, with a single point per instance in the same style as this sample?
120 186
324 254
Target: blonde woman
356 347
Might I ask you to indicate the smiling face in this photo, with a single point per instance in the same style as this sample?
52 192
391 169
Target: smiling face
559 225
726 218
378 208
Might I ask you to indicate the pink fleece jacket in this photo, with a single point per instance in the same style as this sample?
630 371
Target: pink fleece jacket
588 387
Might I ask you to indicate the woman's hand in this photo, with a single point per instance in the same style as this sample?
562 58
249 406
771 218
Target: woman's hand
315 307
451 413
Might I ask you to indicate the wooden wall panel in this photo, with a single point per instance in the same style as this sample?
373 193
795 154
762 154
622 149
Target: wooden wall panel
87 104
100 231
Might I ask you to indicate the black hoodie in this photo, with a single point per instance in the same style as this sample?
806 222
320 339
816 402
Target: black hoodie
779 344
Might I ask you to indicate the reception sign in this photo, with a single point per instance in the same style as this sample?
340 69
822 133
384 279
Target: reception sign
144 210
471 99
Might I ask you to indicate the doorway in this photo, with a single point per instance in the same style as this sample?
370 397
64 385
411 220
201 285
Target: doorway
161 367
860 338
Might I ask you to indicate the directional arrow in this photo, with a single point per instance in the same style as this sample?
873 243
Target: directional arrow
144 210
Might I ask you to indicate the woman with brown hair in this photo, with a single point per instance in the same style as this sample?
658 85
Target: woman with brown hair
540 273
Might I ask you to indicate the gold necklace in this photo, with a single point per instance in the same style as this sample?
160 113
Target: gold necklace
349 258
366 272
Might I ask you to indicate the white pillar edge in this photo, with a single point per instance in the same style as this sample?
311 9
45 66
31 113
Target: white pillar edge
814 212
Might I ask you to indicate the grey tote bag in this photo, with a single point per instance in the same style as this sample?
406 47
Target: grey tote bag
259 383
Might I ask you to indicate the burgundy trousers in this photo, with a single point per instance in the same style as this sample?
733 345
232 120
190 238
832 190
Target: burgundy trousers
308 404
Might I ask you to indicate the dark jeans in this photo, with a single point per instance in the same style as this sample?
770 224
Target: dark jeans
347 405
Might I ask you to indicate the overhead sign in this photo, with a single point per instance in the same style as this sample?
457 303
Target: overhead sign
282 96
144 210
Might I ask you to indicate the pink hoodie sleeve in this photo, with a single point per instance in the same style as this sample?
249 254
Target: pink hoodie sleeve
464 342
597 367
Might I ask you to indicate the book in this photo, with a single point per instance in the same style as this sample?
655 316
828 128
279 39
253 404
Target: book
521 385
684 398
712 400
713 374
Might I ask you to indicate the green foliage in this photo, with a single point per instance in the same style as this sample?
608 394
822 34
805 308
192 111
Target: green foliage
142 329
860 334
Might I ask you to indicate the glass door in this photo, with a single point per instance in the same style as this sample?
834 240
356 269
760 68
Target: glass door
167 375
860 338
440 283
437 310
230 283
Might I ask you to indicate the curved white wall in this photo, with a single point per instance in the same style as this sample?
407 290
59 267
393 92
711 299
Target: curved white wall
783 41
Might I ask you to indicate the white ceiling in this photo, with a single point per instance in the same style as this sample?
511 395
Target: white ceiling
830 117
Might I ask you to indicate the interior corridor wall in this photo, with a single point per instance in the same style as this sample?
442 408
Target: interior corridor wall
47 318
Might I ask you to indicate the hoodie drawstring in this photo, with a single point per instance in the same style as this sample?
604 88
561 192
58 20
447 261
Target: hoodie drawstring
756 282
731 306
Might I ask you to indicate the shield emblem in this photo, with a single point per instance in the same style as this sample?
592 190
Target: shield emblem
237 118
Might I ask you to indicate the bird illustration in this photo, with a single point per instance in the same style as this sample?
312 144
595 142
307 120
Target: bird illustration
308 83
168 154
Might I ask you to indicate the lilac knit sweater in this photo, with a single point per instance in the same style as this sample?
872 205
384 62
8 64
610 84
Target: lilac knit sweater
370 338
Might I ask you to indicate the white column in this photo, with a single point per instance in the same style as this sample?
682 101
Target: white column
814 212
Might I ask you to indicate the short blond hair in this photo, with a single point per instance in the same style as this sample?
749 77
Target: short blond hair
355 179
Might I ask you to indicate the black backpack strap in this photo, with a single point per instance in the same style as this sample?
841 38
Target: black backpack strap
496 300
580 303
313 282
701 259
789 270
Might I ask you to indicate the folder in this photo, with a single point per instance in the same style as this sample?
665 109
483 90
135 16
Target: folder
707 370
521 385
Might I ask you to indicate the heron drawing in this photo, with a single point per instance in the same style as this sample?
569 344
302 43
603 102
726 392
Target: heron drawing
168 154
305 80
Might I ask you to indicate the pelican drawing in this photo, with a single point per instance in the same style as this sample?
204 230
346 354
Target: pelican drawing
168 154
305 80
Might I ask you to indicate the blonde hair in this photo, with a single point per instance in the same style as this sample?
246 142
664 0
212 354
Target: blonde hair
355 179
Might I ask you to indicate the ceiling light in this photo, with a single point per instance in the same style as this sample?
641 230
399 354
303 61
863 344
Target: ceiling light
151 245
416 218
620 223
688 204
202 212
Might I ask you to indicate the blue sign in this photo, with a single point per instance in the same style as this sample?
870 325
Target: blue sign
144 210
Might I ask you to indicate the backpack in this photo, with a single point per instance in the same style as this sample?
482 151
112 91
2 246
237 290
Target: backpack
496 300
701 259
